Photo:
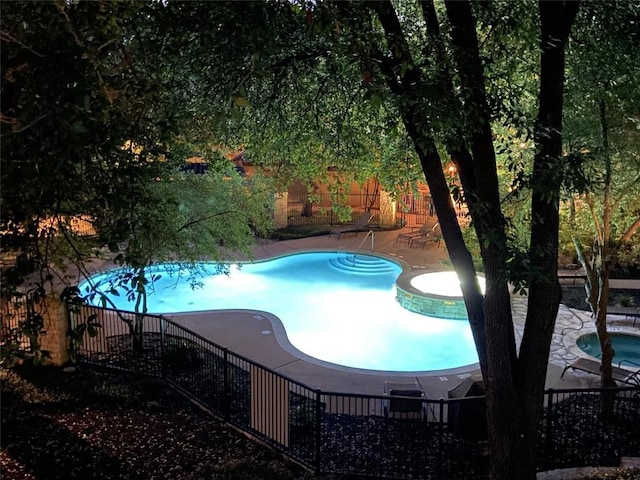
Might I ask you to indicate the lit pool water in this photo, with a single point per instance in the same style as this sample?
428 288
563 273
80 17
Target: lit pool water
626 346
335 307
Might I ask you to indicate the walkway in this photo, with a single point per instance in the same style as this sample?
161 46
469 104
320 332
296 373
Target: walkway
259 337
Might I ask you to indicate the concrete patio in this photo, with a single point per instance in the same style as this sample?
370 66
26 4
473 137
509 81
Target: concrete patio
260 336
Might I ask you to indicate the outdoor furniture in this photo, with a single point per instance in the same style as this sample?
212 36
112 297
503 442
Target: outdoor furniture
416 232
433 236
593 366
572 273
467 409
359 225
626 311
405 400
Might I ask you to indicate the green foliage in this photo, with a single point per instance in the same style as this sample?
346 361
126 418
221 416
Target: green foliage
602 134
301 231
181 355
71 297
105 137
623 301
22 329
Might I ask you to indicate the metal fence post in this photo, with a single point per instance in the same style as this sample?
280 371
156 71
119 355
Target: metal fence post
226 394
162 346
440 473
548 431
73 350
318 461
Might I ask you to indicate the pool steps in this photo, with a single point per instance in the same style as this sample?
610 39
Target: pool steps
362 264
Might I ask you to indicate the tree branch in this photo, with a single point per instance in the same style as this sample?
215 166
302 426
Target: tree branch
5 37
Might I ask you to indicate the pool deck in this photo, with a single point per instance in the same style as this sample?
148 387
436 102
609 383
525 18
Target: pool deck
258 337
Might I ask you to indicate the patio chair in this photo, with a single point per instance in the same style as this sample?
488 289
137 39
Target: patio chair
405 400
433 236
593 366
628 312
467 409
359 225
417 232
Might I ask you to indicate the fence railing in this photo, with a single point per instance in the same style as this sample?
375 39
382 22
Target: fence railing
411 210
344 433
320 210
13 315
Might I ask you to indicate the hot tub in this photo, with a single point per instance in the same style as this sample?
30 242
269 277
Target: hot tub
434 294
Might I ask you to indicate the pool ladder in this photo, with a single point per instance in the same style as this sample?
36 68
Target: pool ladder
369 233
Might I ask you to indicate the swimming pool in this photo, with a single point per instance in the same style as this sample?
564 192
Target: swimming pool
626 346
337 307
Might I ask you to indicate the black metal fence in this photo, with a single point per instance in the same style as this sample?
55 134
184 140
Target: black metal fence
411 210
365 435
13 316
321 210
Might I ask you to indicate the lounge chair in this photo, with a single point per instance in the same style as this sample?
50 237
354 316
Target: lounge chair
628 312
359 225
432 236
405 400
593 366
416 232
573 273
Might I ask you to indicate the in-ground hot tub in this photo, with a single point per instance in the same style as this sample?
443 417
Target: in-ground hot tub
626 346
435 294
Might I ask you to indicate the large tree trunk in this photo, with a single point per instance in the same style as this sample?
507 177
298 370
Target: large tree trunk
505 414
514 385
407 87
556 19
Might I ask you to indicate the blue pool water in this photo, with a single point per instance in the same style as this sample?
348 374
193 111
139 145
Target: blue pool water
626 346
336 307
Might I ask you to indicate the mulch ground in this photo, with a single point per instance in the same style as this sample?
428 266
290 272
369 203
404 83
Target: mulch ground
574 296
91 425
94 425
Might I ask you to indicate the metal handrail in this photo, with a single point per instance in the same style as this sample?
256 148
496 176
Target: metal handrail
370 232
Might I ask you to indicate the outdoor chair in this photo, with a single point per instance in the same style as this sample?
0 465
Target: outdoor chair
593 366
405 400
416 232
467 409
433 236
572 272
628 312
359 225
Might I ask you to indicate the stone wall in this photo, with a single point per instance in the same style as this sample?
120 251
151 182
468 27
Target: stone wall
55 340
387 210
280 210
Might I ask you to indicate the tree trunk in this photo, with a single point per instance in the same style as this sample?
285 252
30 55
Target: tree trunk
597 292
514 385
407 87
307 209
606 374
506 416
556 19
